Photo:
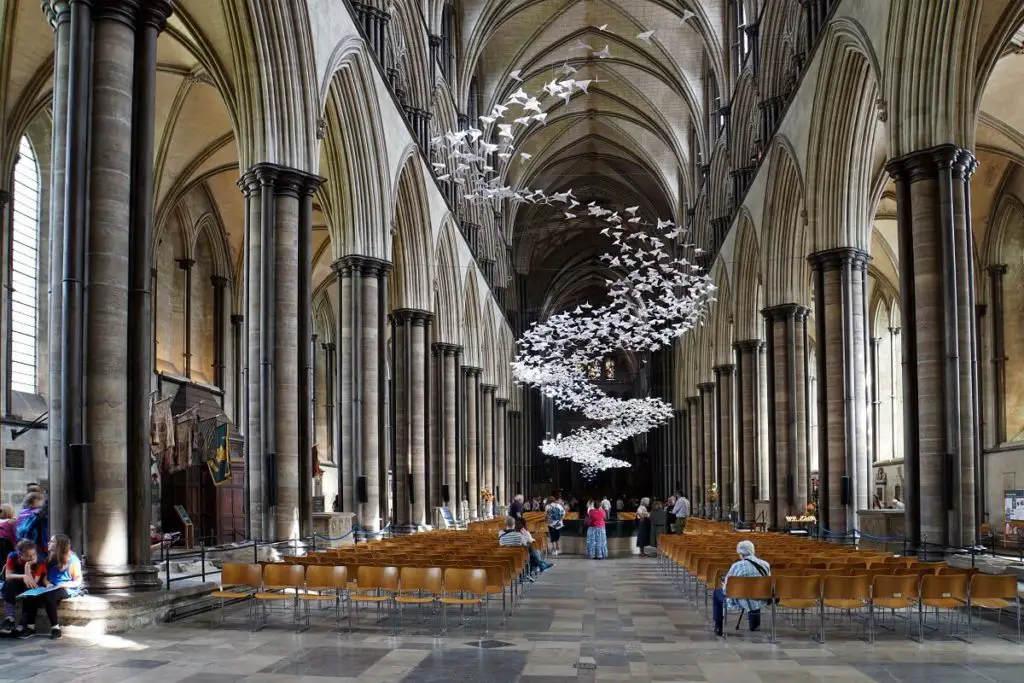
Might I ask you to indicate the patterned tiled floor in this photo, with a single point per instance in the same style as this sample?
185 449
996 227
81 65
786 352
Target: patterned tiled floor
613 620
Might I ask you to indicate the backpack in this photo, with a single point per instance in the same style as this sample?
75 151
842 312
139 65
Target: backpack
31 528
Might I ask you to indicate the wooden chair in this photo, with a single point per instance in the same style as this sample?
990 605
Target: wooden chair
376 586
418 586
750 588
895 592
847 593
994 593
278 580
325 582
238 582
948 592
464 588
797 593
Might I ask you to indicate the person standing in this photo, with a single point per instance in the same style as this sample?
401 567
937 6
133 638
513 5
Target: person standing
670 519
597 537
643 532
554 515
681 510
515 510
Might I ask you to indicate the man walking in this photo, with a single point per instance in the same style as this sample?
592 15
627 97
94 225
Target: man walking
681 510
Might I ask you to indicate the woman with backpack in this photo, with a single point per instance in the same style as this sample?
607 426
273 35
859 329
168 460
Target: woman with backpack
554 514
33 521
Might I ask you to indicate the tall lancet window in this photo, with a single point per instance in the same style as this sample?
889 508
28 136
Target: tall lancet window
25 271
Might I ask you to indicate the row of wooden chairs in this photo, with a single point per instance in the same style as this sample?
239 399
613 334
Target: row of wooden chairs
847 594
387 587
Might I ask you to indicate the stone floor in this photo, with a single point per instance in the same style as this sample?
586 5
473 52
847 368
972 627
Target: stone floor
613 620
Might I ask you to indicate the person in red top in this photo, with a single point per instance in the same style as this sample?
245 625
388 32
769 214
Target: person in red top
597 538
23 571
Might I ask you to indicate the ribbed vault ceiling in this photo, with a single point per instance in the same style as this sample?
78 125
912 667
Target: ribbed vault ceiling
622 143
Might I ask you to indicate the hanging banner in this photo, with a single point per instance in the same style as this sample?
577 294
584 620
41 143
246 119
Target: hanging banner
220 464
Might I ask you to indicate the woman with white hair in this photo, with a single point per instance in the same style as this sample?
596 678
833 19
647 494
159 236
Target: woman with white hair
643 530
515 510
749 565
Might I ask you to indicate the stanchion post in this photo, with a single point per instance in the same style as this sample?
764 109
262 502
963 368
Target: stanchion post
202 561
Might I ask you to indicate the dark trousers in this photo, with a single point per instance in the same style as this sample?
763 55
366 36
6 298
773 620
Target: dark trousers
48 601
12 589
535 562
718 611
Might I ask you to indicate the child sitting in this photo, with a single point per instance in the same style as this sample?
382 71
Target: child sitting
64 575
23 571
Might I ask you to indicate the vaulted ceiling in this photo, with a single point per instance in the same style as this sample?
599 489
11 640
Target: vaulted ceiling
625 142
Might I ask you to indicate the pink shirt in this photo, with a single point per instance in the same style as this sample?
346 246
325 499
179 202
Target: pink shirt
596 518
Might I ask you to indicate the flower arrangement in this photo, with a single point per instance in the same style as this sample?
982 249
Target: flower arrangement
486 495
713 493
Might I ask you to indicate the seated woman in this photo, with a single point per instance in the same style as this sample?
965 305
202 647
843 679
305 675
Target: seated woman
22 572
536 563
64 577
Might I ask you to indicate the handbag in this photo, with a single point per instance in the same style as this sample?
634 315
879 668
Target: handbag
762 572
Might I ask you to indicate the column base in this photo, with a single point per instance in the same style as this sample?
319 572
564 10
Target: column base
403 529
122 579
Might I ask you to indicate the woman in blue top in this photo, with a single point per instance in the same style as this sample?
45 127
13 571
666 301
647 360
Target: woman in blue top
64 577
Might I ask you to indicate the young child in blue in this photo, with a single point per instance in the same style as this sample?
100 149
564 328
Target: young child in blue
63 571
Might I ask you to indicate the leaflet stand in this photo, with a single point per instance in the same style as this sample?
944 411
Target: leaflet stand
190 530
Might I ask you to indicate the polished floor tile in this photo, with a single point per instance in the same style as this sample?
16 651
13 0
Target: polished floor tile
587 622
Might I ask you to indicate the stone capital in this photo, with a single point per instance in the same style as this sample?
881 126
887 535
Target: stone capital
413 316
155 13
725 370
834 259
784 312
472 371
185 263
57 12
328 346
502 402
126 12
237 319
994 270
748 345
218 281
5 197
433 40
367 266
926 163
445 349
693 400
488 388
706 387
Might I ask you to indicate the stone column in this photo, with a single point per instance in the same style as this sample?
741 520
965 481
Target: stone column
255 454
941 451
677 466
748 354
349 316
997 273
787 411
501 497
515 426
472 403
724 410
487 442
420 396
221 305
120 228
449 427
695 453
307 185
840 277
58 13
372 455
708 443
401 339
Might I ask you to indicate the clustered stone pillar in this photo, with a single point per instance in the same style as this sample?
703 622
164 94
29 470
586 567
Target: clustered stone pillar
709 463
410 417
471 378
501 486
724 410
279 440
840 279
942 451
102 232
695 454
487 443
363 285
748 356
515 432
787 411
448 362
